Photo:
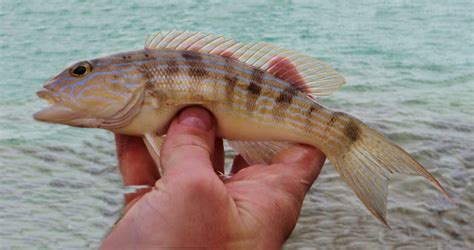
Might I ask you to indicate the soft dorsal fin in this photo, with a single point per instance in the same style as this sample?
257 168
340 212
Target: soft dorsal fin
308 74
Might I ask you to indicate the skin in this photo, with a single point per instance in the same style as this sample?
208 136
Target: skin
191 206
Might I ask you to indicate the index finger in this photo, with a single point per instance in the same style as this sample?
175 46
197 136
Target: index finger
135 163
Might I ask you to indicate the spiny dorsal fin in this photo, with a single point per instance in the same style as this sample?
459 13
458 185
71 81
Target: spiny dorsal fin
308 74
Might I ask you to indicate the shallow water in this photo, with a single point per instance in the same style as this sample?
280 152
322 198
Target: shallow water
410 73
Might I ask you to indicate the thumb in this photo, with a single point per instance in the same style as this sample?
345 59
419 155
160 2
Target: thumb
189 143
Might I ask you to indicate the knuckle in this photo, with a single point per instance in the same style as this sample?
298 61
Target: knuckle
199 185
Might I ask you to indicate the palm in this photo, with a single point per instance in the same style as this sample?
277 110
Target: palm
191 206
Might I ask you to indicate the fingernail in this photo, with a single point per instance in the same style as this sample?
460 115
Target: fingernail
196 118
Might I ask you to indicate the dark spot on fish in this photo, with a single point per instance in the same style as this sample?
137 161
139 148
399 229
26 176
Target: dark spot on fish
124 57
254 89
146 55
312 108
129 57
257 76
149 85
334 117
253 93
309 116
352 130
196 67
171 67
286 97
191 56
231 82
284 101
228 60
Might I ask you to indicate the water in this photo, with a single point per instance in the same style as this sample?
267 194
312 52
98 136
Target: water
410 72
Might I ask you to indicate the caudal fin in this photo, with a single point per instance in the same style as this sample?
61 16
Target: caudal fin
367 163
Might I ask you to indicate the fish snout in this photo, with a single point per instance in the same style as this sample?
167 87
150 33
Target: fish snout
47 95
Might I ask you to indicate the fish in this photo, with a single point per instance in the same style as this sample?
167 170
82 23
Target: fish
263 97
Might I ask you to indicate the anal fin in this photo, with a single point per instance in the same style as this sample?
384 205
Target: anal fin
258 152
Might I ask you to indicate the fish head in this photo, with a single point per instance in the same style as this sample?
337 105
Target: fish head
105 92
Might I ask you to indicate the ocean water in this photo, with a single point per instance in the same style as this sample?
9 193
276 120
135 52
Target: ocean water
409 67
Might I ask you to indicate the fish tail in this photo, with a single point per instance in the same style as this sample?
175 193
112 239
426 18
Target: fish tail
365 159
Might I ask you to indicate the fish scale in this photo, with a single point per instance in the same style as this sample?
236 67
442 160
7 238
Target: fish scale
255 88
253 102
262 96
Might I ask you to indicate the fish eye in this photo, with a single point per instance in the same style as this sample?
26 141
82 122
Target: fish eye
81 69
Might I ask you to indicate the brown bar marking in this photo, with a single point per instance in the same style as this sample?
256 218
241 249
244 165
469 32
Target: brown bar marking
257 75
145 70
334 118
196 67
254 89
191 55
284 100
150 87
309 116
231 82
230 78
171 67
286 96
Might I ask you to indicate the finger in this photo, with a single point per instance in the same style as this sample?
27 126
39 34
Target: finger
189 143
238 164
135 163
218 158
300 166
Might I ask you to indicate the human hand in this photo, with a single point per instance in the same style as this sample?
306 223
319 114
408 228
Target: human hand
191 206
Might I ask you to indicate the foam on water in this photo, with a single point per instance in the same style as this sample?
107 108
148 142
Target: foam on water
409 70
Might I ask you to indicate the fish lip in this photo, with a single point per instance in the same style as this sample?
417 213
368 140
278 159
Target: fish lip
56 113
59 114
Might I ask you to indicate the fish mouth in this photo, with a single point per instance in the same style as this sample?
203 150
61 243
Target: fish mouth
59 113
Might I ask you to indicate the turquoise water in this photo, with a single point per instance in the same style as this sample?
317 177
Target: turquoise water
410 73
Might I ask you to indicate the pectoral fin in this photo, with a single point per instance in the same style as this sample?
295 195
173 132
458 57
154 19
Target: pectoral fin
153 144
